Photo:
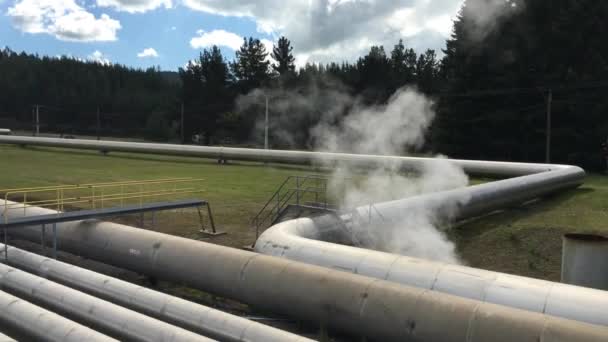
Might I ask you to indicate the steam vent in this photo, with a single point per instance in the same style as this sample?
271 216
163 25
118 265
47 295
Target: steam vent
315 272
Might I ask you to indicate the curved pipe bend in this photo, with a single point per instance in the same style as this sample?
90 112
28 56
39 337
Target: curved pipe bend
294 239
299 240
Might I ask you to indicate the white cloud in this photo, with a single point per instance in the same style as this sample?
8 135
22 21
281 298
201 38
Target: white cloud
216 37
135 6
323 30
148 53
64 19
98 57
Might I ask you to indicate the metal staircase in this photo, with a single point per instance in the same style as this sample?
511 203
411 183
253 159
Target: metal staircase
298 194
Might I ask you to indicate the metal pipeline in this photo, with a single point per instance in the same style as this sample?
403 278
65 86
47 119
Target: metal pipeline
359 305
32 323
294 239
198 318
101 315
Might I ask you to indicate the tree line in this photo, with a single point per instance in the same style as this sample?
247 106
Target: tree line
494 87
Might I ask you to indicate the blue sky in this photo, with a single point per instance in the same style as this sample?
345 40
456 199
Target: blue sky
173 31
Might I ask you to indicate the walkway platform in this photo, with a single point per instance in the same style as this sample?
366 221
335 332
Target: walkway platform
99 213
69 216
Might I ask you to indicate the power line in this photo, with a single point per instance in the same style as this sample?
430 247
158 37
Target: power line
528 90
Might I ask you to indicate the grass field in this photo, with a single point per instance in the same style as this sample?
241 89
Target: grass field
236 191
527 240
524 240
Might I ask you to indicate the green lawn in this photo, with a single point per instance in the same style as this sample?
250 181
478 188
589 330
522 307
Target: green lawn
524 240
527 240
236 191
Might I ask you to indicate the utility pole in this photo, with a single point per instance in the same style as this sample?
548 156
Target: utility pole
98 124
266 125
37 113
182 124
548 131
34 120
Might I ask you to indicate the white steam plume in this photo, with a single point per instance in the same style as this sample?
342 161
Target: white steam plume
393 129
344 124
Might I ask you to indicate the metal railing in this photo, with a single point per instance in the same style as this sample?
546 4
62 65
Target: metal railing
97 195
299 190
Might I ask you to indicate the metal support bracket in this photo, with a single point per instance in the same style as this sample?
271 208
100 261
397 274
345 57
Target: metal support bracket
204 230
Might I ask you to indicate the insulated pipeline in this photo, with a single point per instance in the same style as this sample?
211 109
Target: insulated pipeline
359 305
194 317
103 316
32 323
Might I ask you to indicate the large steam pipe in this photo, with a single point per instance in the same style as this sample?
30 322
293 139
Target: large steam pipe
373 308
103 316
532 180
32 323
296 240
293 239
473 167
204 320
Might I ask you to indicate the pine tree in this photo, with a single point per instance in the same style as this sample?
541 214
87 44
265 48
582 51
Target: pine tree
403 65
251 67
533 46
282 54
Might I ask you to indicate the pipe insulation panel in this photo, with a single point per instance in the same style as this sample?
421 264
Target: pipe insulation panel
293 240
33 323
104 316
194 317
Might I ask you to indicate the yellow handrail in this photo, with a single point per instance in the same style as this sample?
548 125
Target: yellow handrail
64 186
97 193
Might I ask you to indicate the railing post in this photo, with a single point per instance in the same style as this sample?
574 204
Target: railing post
211 218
